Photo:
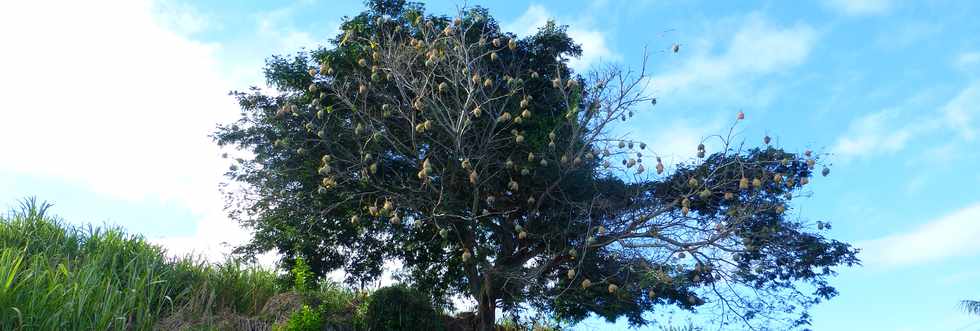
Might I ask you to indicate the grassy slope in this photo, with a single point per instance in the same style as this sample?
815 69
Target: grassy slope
55 276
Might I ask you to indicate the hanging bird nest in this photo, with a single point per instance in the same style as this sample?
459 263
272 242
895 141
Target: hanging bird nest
704 194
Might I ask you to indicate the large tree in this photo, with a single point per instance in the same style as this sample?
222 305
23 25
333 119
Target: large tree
489 169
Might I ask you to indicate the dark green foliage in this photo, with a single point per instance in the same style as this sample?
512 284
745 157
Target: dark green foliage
401 308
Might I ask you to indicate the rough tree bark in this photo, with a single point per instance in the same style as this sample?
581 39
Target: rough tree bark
486 313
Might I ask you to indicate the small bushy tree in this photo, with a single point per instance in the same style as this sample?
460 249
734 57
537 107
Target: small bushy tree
302 275
489 168
401 308
305 319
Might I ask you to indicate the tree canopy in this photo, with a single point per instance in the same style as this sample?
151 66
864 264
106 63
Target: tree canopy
489 169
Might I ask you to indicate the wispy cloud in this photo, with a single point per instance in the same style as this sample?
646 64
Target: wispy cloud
876 133
908 34
275 26
677 141
859 7
961 112
951 235
280 31
959 277
889 131
593 41
967 61
180 17
757 49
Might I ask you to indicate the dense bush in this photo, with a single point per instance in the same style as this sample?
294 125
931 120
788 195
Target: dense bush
342 307
306 319
401 308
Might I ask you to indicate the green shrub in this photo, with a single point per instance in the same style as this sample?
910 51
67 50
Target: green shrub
306 319
401 308
302 275
338 303
538 323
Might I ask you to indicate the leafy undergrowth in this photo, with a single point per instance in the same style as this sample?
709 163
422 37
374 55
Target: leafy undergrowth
58 276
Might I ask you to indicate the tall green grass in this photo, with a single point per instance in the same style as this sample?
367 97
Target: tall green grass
56 276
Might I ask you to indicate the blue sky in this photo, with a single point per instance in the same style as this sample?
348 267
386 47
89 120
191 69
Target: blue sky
107 107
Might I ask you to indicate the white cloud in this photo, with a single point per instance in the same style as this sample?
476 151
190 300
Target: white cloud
959 277
874 133
274 26
960 113
859 7
677 141
889 131
528 23
756 49
594 48
179 17
949 236
967 61
907 34
102 93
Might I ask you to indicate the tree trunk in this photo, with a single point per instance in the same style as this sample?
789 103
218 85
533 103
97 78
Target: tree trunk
487 310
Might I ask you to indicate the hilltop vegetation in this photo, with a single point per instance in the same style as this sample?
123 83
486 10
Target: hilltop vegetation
59 276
